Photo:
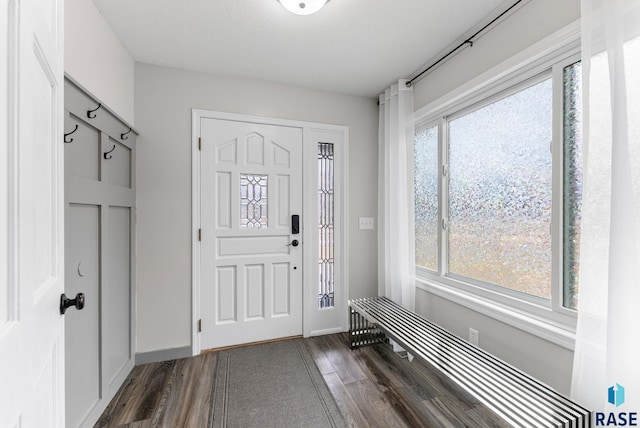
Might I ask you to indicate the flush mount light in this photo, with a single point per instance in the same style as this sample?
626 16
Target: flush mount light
303 7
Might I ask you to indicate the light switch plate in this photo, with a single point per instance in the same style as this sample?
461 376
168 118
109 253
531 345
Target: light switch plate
366 223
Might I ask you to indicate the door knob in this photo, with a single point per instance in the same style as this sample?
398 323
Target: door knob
294 243
65 302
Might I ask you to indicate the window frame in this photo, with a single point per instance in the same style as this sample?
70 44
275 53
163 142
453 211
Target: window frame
546 59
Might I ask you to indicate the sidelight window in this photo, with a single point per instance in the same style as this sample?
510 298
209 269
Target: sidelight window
325 225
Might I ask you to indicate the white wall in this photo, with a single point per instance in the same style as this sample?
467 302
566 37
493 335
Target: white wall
163 101
529 24
95 58
164 98
537 19
540 358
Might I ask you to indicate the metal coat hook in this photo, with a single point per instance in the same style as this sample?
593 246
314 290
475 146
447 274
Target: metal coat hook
124 136
70 140
89 115
106 154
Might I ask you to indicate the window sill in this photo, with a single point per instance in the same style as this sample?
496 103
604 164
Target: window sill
561 333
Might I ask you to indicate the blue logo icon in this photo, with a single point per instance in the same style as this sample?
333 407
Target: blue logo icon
616 395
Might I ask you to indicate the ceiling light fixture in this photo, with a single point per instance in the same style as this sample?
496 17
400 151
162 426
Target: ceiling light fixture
303 7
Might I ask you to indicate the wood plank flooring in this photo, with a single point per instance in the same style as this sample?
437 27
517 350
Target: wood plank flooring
373 387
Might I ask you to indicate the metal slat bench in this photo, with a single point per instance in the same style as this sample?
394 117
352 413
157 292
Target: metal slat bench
519 399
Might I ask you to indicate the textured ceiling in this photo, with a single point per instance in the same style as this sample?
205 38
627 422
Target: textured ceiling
355 47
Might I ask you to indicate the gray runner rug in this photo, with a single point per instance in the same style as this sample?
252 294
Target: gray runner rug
271 385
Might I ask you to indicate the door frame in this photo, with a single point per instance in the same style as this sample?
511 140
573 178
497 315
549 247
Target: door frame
313 319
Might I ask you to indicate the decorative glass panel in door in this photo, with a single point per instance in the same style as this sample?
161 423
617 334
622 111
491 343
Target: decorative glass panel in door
253 200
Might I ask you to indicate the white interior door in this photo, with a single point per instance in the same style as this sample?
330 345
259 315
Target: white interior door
31 214
251 259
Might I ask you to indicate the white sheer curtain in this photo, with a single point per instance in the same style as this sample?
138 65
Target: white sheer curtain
607 341
396 261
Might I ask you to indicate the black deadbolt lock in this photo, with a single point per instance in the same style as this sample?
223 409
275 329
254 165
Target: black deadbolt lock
295 224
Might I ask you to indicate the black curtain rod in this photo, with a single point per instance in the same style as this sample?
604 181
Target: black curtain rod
469 42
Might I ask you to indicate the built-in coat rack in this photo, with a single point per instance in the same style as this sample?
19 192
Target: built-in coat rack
70 140
106 155
91 113
92 180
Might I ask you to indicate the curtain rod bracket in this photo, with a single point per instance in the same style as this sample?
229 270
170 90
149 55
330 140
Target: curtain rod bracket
469 41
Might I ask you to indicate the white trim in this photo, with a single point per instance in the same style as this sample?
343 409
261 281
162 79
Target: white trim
309 251
317 320
541 318
553 332
325 331
344 241
196 116
513 89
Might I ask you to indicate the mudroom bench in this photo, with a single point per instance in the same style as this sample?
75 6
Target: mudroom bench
519 399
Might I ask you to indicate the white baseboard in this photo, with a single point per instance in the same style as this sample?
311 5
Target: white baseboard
326 331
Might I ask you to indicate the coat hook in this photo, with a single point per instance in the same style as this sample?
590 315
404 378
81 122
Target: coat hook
124 136
70 140
89 115
107 153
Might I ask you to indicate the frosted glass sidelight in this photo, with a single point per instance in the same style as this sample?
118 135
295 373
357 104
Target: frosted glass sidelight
253 201
325 225
425 152
500 192
572 183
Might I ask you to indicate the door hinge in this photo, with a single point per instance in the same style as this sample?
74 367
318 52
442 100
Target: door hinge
199 234
199 143
200 325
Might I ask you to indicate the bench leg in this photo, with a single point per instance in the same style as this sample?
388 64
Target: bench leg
362 332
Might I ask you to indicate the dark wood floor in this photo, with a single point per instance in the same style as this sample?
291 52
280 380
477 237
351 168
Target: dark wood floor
373 387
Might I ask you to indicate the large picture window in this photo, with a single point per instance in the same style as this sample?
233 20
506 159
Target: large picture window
500 192
497 190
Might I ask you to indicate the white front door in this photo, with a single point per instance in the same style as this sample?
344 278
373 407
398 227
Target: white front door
251 254
31 214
